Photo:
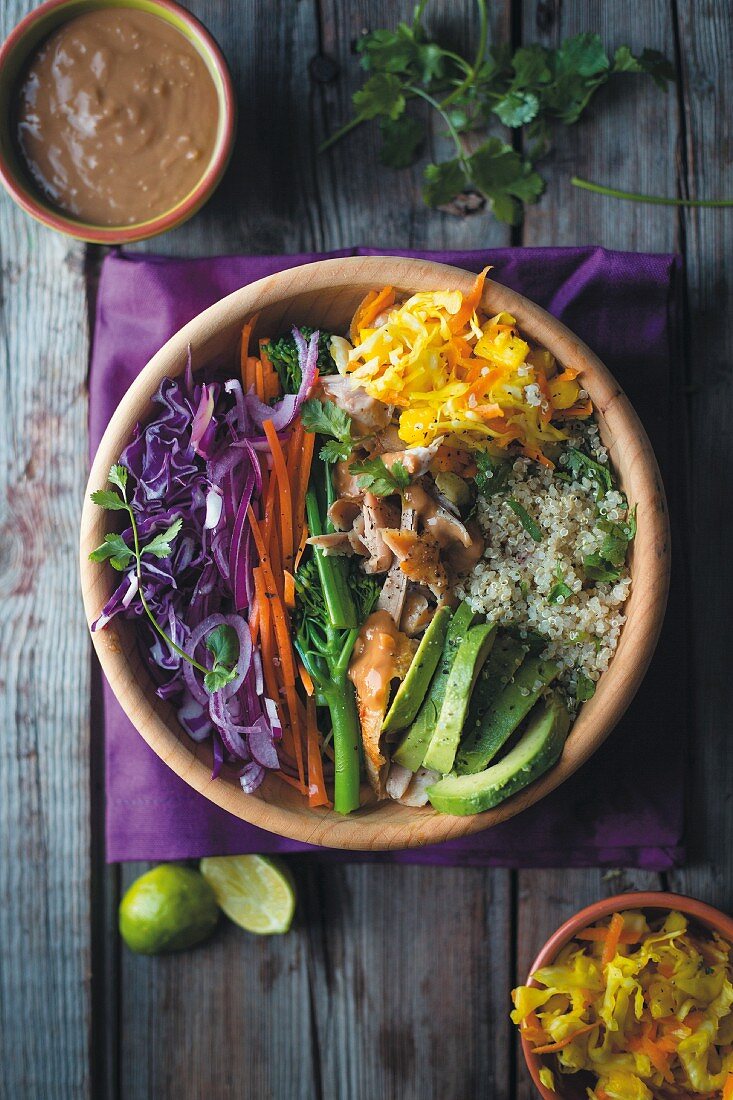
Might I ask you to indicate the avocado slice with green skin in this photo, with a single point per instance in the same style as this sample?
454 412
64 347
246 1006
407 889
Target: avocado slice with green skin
413 688
411 751
469 661
536 751
503 661
510 707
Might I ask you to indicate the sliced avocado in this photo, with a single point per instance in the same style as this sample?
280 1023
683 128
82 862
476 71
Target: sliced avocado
475 648
412 750
413 688
503 661
536 751
510 707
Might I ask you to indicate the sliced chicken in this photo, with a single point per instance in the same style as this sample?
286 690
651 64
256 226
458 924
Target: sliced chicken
343 512
416 612
333 545
398 781
356 536
462 544
347 484
378 515
392 596
416 460
417 792
368 414
419 558
381 654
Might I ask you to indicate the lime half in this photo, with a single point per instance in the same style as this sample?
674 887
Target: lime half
167 909
256 892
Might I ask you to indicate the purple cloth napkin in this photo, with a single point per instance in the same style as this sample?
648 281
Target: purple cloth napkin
625 806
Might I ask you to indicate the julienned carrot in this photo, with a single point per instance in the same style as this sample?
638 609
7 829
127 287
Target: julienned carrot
301 547
283 639
272 382
550 1048
285 497
372 309
295 455
615 929
244 349
470 303
269 498
598 935
317 795
259 378
304 473
305 678
292 782
289 589
728 1087
265 623
254 619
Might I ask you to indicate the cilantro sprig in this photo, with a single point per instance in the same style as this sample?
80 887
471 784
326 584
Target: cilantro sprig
605 564
374 476
222 642
530 525
491 474
533 88
326 418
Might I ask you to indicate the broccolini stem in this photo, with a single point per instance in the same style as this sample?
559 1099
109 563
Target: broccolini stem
339 604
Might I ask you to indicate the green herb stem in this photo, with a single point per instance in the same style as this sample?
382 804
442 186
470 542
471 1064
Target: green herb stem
461 152
345 129
471 71
655 200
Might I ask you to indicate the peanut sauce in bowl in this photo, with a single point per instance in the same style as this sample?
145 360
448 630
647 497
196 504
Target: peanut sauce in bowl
121 119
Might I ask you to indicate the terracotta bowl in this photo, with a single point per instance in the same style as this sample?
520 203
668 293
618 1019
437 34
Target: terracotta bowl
326 294
16 51
569 1087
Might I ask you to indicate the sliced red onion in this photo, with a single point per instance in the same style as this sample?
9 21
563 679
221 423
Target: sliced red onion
234 386
251 777
273 718
220 553
283 413
198 634
218 756
259 681
214 508
195 719
239 563
261 744
203 416
229 733
131 591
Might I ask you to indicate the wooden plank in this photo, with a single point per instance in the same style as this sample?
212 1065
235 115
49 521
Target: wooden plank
706 46
611 145
45 914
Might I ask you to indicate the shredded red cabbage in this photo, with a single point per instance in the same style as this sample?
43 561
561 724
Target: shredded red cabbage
199 459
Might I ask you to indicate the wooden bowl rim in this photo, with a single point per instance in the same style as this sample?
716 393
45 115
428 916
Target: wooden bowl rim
707 915
388 825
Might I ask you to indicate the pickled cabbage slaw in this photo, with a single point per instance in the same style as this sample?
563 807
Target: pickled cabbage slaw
644 1005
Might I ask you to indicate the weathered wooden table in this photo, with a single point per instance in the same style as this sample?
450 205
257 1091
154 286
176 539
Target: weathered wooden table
394 981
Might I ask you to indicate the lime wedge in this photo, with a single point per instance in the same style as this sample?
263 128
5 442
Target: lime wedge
256 892
168 908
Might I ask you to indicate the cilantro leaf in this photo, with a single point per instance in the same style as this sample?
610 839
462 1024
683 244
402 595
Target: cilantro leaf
333 451
530 66
327 418
115 550
442 182
532 528
105 498
376 478
582 465
118 476
223 643
582 55
491 476
598 569
401 140
560 591
160 546
381 95
500 173
517 108
217 678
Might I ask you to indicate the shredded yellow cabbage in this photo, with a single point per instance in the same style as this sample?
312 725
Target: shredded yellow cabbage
645 1006
453 373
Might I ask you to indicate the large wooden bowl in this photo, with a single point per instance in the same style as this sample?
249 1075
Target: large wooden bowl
326 294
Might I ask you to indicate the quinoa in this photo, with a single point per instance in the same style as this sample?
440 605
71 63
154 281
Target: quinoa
512 582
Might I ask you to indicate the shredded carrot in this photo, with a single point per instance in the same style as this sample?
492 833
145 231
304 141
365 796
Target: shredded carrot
259 378
265 625
301 546
371 310
244 350
615 929
537 456
728 1087
268 495
550 1048
289 589
598 935
283 639
532 1029
305 678
363 305
284 494
295 457
293 782
317 795
470 303
304 473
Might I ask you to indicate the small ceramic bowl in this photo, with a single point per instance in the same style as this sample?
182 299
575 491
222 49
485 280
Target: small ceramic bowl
16 51
325 294
702 914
